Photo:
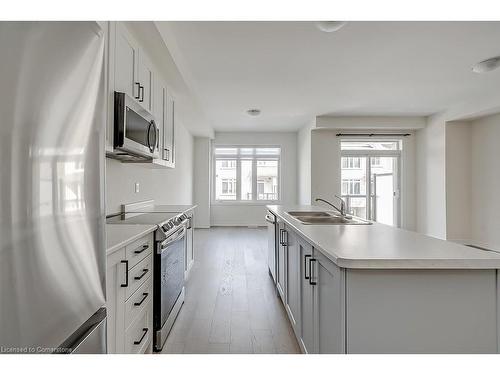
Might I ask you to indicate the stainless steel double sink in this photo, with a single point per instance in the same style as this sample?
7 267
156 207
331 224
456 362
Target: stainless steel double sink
325 218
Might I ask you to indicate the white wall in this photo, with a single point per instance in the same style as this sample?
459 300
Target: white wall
485 175
458 180
202 185
325 164
431 192
304 164
473 181
165 186
229 214
371 122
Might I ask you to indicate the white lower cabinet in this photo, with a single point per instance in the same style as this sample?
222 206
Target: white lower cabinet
292 304
281 276
129 295
328 300
314 296
306 337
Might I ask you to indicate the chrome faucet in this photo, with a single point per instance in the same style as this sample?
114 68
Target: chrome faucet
342 205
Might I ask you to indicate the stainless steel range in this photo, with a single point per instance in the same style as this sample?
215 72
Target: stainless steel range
168 266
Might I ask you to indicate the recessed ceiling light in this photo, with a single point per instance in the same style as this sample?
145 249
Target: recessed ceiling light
487 65
254 112
330 26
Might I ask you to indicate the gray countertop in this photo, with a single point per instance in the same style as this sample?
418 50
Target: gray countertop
120 235
379 246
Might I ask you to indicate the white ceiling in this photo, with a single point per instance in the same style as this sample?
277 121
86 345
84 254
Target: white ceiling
294 72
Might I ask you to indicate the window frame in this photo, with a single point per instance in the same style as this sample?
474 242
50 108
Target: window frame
239 157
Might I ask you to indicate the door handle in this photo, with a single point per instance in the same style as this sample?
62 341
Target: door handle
310 272
144 272
124 285
305 267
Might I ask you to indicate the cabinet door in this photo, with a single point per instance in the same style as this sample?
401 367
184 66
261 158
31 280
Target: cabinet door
306 298
328 305
159 100
126 59
281 278
115 301
146 78
169 130
293 281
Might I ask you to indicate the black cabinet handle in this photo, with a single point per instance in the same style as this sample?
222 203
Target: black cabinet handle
145 295
145 331
144 272
310 272
126 273
285 238
141 97
305 267
144 248
282 231
138 90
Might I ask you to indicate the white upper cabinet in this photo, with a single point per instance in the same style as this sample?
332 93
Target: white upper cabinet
168 153
146 78
126 63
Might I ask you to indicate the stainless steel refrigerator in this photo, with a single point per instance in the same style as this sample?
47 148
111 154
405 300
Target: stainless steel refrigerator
52 253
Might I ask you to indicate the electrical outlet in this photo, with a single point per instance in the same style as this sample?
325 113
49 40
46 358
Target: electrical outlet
136 187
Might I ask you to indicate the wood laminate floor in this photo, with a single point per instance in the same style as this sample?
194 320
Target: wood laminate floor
231 304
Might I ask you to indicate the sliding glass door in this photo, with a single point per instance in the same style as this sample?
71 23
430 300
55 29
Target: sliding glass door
370 180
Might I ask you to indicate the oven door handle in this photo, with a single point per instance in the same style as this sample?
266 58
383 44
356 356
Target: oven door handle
178 235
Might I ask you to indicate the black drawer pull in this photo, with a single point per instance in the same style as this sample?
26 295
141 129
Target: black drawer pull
138 90
145 331
144 248
145 295
126 273
305 267
144 272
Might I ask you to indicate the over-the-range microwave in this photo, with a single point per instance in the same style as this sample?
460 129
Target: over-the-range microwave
136 136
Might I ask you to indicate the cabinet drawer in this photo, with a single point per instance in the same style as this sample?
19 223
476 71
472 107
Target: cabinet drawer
138 250
138 275
136 303
139 334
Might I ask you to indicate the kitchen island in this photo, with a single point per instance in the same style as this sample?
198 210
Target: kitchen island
379 289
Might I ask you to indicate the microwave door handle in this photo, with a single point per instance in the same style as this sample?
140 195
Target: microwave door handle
151 146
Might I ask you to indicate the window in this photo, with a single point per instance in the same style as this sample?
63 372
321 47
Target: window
351 163
246 174
375 161
351 187
370 179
